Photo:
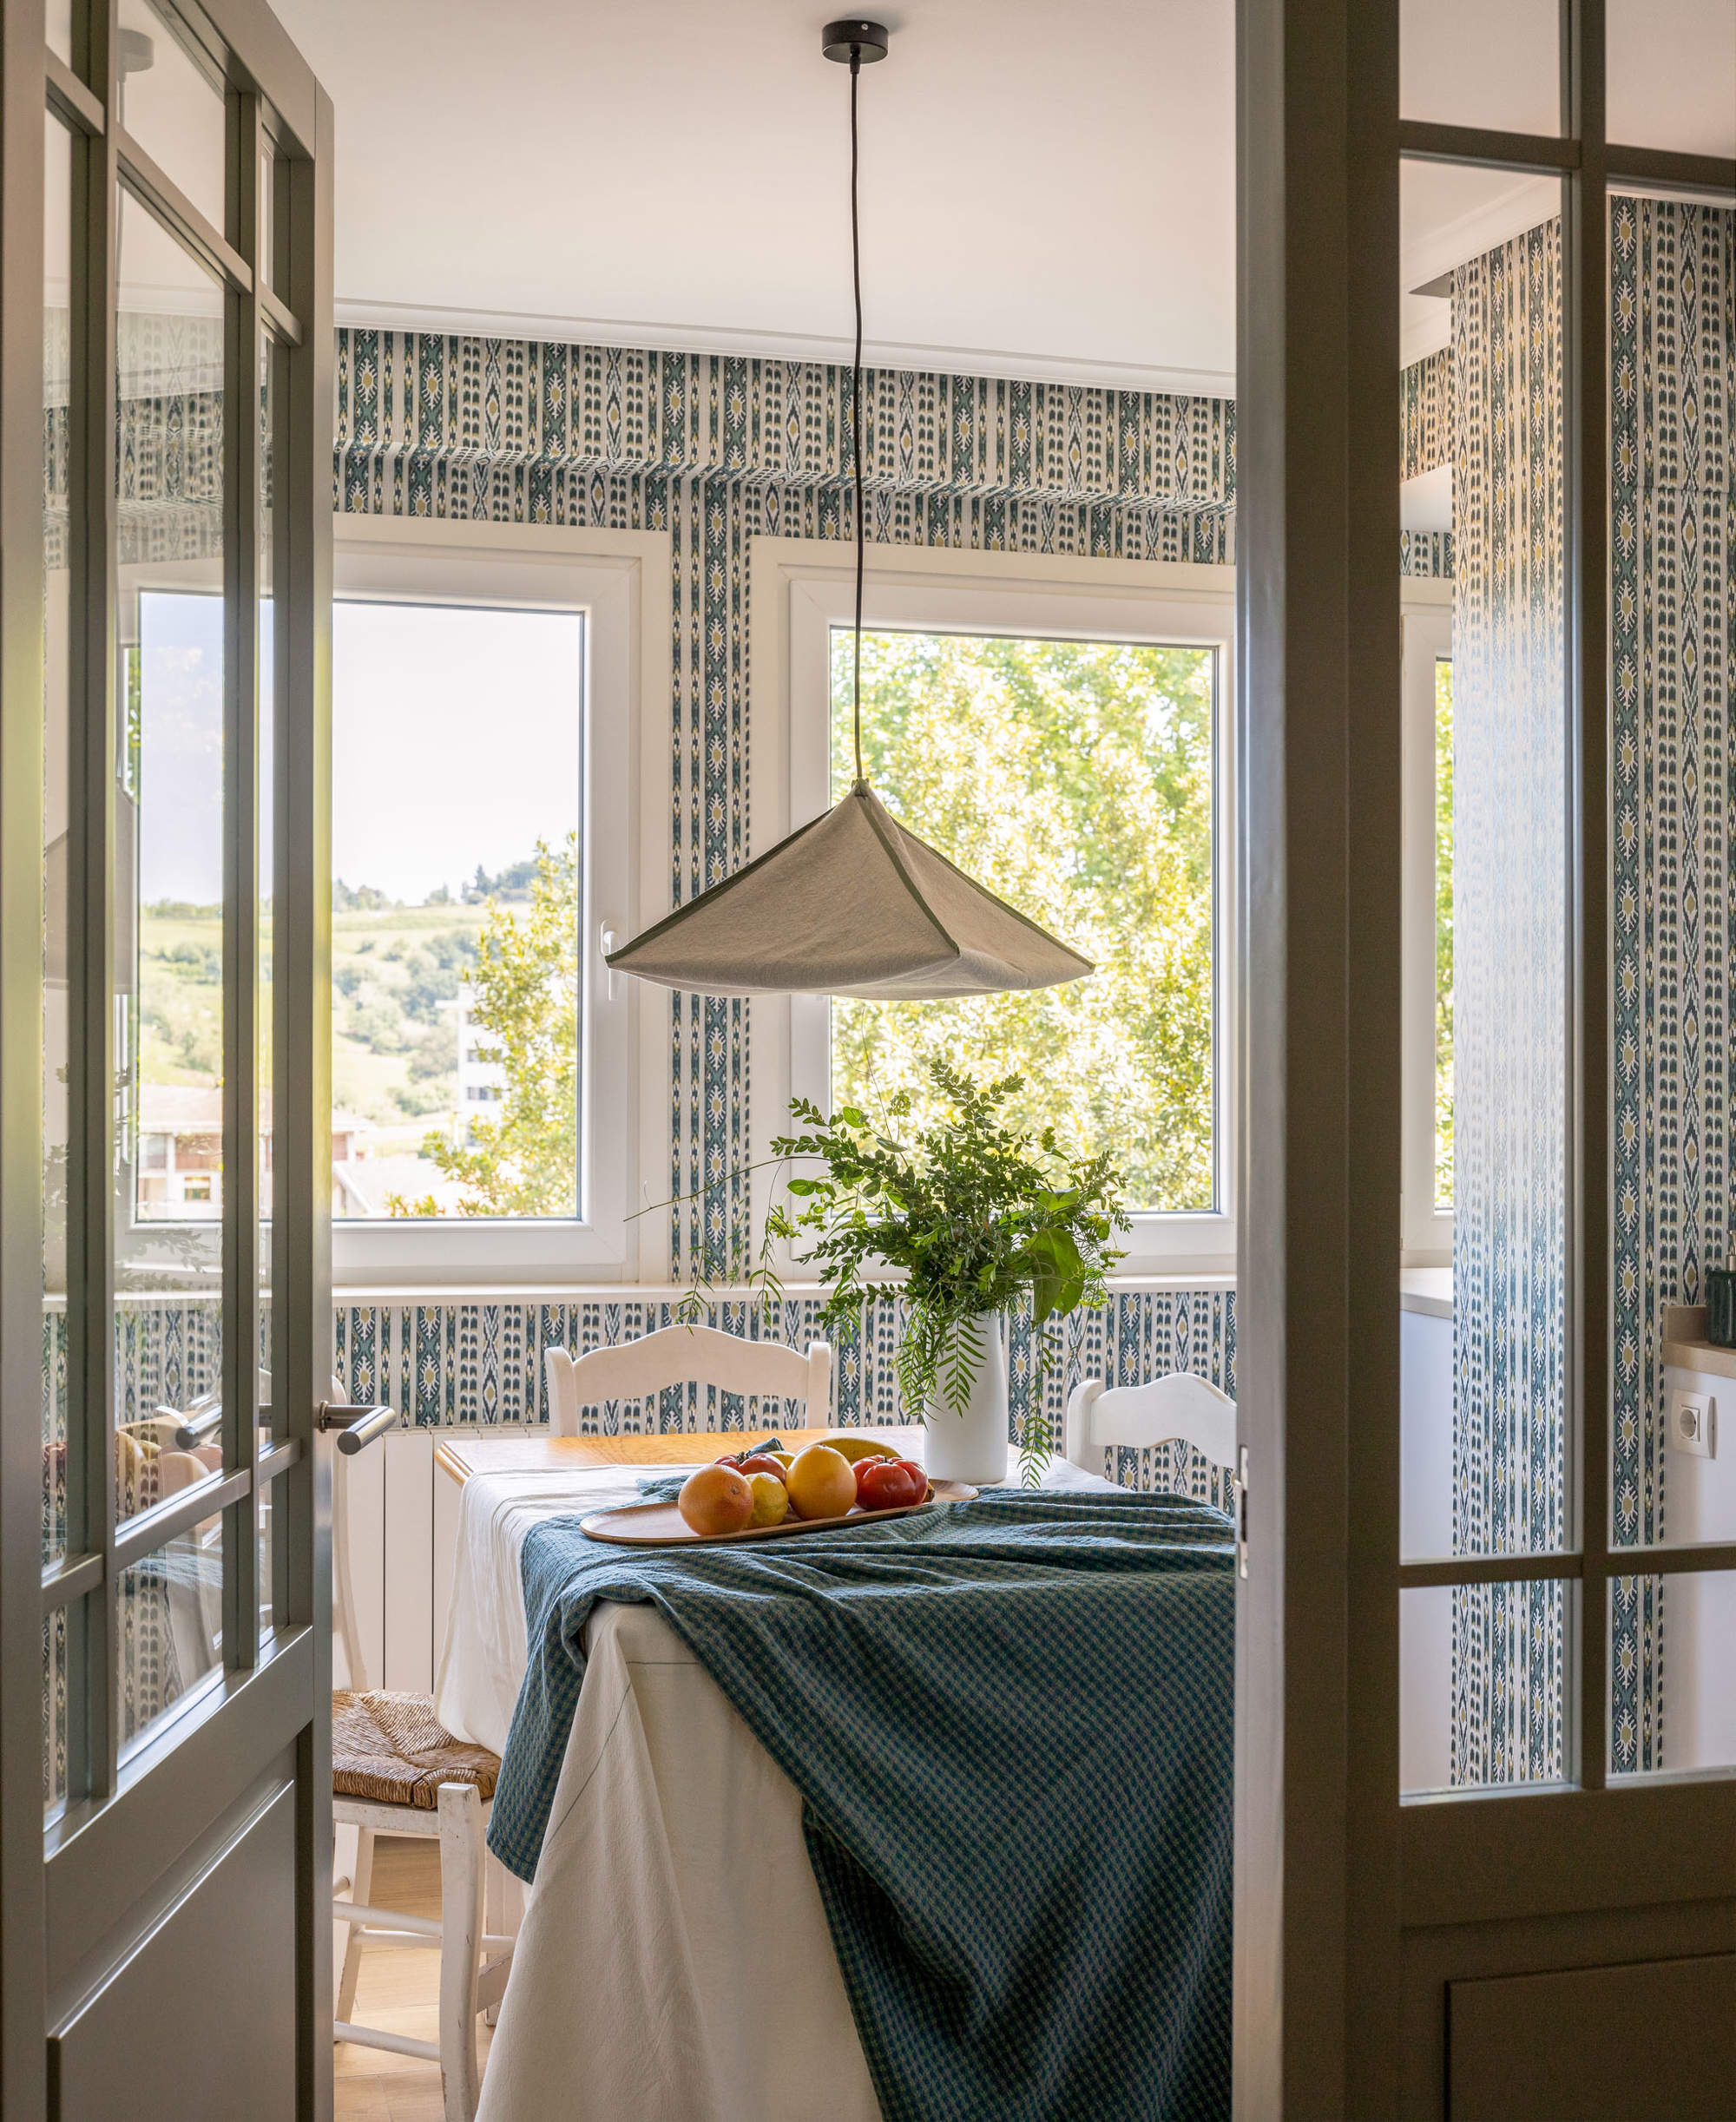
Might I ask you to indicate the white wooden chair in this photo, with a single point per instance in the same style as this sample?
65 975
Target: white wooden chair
1179 1405
395 1771
682 1355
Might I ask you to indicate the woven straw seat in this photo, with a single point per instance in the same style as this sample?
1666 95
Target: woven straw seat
392 1749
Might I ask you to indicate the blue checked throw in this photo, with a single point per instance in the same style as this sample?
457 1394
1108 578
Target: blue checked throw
1010 1721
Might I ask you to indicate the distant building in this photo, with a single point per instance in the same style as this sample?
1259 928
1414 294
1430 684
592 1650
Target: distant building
482 1084
179 1176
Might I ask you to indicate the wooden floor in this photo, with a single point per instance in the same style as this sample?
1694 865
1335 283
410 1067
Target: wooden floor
399 1993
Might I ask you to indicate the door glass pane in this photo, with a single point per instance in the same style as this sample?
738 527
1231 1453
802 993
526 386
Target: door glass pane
54 1678
1482 1380
171 1625
1444 931
267 230
169 804
171 107
1672 1676
267 854
273 1555
1481 1671
56 738
1672 70
1672 267
1482 62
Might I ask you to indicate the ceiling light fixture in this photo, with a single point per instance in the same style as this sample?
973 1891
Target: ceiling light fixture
851 904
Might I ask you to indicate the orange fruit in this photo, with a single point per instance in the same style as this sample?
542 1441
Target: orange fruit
717 1499
822 1482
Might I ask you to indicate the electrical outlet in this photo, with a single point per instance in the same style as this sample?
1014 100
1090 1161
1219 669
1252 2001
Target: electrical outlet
1694 1423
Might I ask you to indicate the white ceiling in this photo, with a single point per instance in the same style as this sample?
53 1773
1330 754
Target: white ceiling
1048 188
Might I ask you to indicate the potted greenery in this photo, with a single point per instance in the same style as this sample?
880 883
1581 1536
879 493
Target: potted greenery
978 1214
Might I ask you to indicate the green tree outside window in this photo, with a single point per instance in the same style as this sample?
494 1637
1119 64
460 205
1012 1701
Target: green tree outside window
524 990
1074 779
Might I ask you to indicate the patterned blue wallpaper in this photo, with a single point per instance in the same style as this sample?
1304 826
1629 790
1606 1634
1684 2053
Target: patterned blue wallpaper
715 451
476 1359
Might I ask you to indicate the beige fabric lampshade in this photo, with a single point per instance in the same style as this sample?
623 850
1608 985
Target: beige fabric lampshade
852 904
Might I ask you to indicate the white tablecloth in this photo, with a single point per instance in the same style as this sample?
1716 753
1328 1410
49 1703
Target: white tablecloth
674 1964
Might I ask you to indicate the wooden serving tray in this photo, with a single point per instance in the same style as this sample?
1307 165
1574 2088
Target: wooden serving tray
662 1525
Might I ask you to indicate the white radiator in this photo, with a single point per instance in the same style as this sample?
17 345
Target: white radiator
404 1529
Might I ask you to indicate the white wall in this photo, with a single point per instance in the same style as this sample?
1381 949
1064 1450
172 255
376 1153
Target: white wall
1699 1612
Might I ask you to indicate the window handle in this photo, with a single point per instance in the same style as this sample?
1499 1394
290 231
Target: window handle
607 940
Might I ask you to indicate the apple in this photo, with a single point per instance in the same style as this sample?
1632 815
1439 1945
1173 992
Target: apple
718 1499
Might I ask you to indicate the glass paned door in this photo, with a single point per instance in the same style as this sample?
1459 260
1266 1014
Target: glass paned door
165 1300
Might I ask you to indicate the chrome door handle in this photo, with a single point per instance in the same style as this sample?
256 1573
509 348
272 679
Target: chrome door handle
357 1427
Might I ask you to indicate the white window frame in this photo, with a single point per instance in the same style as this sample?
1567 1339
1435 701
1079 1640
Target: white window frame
1426 1230
800 589
620 580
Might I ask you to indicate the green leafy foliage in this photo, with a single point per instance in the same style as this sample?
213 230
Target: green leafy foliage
1075 778
976 1210
525 990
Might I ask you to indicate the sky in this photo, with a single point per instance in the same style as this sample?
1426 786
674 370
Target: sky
455 741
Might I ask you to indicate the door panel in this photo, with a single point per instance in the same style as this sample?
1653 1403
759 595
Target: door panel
165 1309
218 1968
1654 2042
1535 1667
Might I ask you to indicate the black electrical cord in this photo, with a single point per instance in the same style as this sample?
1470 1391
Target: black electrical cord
855 404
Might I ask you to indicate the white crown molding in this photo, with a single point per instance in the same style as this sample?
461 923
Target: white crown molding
1427 335
785 346
1522 205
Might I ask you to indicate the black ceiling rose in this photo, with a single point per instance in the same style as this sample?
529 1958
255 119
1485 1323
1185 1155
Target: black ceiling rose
864 41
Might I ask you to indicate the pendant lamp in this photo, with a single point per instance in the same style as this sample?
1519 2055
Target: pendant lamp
852 903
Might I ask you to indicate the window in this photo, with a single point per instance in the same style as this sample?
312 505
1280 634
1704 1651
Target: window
1059 727
1428 924
457 740
1073 777
485 688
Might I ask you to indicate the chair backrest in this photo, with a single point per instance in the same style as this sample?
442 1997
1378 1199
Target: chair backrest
1179 1405
682 1355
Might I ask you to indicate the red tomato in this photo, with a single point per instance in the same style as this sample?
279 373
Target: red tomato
862 1467
891 1484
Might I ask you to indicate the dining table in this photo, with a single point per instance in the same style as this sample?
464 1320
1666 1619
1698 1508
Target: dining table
673 1962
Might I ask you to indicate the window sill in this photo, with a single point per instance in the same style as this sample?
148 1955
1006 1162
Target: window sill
1427 1290
478 1292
